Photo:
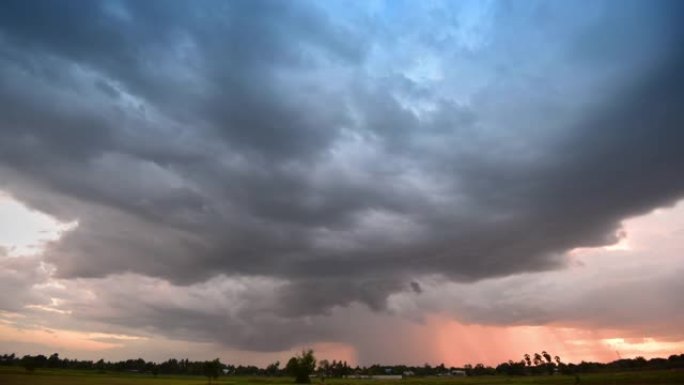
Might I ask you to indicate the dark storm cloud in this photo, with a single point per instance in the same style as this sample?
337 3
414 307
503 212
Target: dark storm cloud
253 138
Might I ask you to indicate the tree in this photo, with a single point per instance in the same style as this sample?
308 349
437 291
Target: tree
538 359
100 366
511 368
53 361
211 369
29 363
291 366
528 361
273 369
550 367
324 367
302 366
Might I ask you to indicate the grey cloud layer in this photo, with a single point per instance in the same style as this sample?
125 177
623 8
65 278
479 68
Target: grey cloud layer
642 303
294 141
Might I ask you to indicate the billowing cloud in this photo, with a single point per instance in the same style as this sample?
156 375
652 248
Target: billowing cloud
250 169
633 287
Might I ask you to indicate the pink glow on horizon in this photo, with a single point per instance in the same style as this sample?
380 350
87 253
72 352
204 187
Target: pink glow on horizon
453 344
335 351
60 339
460 344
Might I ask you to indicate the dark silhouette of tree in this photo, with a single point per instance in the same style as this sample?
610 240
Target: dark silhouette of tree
511 368
324 367
273 369
100 366
211 369
302 366
549 366
339 368
53 361
528 361
538 359
29 363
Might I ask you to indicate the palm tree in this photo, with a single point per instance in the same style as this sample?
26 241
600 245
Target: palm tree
538 359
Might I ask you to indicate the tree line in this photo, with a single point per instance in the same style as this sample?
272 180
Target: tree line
543 363
303 366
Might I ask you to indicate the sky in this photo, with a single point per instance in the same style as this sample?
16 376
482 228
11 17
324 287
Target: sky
383 181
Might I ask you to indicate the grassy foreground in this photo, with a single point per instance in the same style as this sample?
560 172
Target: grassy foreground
18 376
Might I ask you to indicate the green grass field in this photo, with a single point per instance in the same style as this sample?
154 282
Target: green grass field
18 376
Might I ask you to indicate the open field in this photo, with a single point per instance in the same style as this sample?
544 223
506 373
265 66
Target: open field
18 376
